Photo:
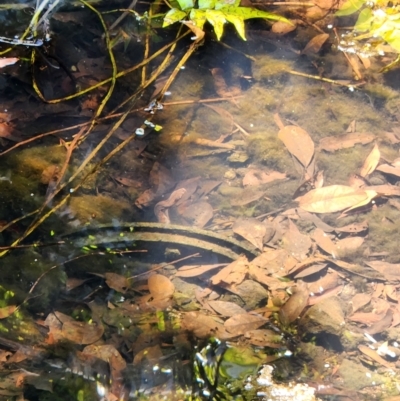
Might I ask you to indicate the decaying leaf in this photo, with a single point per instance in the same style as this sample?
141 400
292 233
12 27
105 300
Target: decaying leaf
226 308
247 196
161 208
389 169
197 214
333 143
240 323
257 177
293 307
117 282
252 230
203 326
333 198
160 287
315 44
371 162
296 243
234 273
298 142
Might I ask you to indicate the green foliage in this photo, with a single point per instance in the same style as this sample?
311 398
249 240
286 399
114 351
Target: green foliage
378 22
217 13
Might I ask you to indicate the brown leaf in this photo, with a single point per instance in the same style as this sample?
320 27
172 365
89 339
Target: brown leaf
308 271
298 142
327 282
220 85
199 33
333 198
371 162
315 44
234 273
252 230
247 196
117 282
160 287
264 338
389 169
241 323
348 244
360 300
296 243
353 228
391 271
197 214
257 177
293 307
324 242
282 27
226 308
161 208
203 326
333 143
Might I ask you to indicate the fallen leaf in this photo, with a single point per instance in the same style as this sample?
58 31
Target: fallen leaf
203 326
360 300
117 282
371 162
315 44
298 142
333 143
324 242
226 308
160 287
353 228
296 243
348 244
294 306
257 177
241 323
234 273
247 196
308 271
161 208
252 230
333 198
197 214
389 169
264 338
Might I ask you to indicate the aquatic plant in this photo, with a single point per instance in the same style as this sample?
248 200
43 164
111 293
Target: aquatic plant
217 13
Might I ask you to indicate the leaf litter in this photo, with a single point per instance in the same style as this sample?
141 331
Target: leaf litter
305 253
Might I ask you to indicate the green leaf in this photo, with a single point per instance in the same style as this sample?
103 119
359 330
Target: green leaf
393 38
217 20
206 4
198 17
364 20
248 13
172 16
350 7
223 3
186 4
238 22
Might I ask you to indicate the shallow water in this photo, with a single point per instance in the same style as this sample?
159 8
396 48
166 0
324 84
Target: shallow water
115 245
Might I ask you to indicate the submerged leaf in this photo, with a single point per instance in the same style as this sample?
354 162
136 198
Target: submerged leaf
350 7
331 199
298 142
371 162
